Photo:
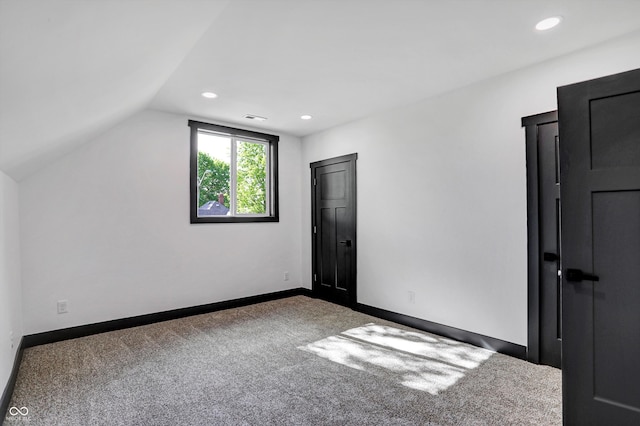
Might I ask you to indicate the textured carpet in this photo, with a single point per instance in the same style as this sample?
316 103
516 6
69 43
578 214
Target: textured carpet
296 361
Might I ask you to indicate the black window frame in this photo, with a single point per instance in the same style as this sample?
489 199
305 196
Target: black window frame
193 173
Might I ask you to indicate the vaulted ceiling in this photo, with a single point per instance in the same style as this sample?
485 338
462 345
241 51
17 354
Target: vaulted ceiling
71 69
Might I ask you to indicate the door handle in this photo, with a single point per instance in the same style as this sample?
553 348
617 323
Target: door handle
576 275
346 243
550 257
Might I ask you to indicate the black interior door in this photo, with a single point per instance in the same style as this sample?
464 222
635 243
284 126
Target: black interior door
334 229
544 248
599 124
550 282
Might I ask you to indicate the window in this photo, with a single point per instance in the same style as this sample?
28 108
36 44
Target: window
234 175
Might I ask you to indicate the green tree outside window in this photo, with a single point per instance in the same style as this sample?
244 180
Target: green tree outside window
213 178
251 178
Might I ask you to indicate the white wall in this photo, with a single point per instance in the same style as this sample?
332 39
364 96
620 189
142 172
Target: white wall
442 194
107 228
10 292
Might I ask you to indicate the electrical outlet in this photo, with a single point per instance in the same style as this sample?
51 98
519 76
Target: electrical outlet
412 297
286 275
11 339
62 306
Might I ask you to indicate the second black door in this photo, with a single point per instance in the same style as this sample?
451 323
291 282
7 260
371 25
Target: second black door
334 229
545 290
550 283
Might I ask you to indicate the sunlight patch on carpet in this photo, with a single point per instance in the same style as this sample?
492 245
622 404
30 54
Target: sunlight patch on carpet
419 361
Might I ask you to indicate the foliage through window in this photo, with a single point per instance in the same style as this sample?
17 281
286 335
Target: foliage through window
234 174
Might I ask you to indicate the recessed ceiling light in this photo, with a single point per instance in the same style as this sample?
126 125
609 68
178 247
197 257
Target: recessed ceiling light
306 117
547 24
255 117
209 95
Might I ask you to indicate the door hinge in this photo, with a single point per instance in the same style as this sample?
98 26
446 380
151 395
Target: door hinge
315 277
315 231
315 182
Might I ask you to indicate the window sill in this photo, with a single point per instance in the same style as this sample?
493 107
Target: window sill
234 219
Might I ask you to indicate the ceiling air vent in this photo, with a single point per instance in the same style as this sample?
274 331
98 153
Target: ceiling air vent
255 117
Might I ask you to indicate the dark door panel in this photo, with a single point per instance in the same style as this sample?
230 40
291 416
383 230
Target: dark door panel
616 258
544 248
334 229
327 243
549 211
599 122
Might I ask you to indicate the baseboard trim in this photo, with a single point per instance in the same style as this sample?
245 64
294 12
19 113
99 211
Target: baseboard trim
119 324
497 345
8 390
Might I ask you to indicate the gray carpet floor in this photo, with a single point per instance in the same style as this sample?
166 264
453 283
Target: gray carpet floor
295 361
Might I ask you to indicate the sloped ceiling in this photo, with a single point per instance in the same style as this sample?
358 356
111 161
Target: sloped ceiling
71 69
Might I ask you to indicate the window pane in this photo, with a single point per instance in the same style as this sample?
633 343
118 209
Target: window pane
233 175
251 178
214 158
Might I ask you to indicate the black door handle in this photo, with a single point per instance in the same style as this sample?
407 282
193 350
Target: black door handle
346 243
550 257
576 275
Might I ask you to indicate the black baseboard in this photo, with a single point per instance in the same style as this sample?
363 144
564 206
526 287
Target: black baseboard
8 390
119 324
497 345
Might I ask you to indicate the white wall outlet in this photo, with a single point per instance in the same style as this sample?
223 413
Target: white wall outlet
286 275
412 297
11 339
62 306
